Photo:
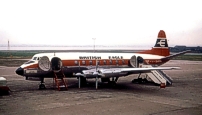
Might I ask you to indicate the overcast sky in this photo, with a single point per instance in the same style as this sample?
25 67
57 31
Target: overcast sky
111 22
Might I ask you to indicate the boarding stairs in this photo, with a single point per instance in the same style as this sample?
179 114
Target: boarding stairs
169 80
159 77
60 81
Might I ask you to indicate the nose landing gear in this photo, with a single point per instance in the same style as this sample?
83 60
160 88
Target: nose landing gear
42 85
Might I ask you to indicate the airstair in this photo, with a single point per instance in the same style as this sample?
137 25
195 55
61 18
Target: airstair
159 77
60 81
169 80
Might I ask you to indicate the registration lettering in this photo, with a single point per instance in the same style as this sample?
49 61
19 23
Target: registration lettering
153 61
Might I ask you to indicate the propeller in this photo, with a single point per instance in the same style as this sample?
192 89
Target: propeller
96 73
96 69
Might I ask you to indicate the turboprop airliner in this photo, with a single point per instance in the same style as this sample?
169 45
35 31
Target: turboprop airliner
105 66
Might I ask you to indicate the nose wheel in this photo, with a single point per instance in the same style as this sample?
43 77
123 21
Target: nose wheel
42 85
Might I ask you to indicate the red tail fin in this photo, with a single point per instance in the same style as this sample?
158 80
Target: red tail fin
161 46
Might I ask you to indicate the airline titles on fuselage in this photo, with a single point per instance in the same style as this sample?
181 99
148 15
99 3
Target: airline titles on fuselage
115 57
99 57
90 57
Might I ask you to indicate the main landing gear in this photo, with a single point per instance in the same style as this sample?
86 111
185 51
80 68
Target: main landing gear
111 82
42 85
140 79
82 81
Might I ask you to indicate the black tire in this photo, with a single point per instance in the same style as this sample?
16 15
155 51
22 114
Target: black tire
83 81
42 86
112 83
134 80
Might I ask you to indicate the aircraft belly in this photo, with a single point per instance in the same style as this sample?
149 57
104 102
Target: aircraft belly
70 72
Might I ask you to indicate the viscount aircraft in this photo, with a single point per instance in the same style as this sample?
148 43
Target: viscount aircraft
105 66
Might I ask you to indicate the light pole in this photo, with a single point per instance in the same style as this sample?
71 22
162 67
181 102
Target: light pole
94 43
8 45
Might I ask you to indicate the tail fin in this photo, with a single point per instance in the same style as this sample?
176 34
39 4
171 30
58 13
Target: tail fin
161 46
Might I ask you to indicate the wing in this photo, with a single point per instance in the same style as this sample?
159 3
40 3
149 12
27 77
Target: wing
117 72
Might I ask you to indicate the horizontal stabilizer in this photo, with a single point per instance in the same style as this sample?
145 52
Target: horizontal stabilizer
119 71
177 54
148 69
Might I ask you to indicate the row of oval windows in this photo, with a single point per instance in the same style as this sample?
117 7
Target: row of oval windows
104 62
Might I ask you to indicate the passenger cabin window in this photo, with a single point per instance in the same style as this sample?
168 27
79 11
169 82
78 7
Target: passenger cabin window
76 62
83 62
91 62
110 61
123 62
105 62
117 61
98 62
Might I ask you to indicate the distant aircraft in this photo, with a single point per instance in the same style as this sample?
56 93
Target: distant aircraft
105 66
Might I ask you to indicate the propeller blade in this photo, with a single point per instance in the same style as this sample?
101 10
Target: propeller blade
96 66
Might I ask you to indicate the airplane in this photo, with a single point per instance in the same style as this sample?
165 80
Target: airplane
105 66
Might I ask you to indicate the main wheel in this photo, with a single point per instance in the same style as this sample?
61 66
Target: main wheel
135 81
112 83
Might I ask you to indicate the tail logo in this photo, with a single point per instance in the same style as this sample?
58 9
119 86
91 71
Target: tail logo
162 42
160 48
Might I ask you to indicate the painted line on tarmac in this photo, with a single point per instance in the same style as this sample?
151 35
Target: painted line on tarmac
1 67
8 75
5 67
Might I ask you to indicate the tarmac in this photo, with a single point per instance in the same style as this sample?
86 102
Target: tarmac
183 97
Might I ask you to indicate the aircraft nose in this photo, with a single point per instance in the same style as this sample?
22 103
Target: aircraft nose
20 71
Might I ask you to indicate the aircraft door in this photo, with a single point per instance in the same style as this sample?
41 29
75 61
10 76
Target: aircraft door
44 63
140 61
56 64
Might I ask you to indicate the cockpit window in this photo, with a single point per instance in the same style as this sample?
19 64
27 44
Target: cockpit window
34 58
38 58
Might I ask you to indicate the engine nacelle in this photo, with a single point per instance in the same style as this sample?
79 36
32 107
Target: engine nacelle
50 64
136 62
